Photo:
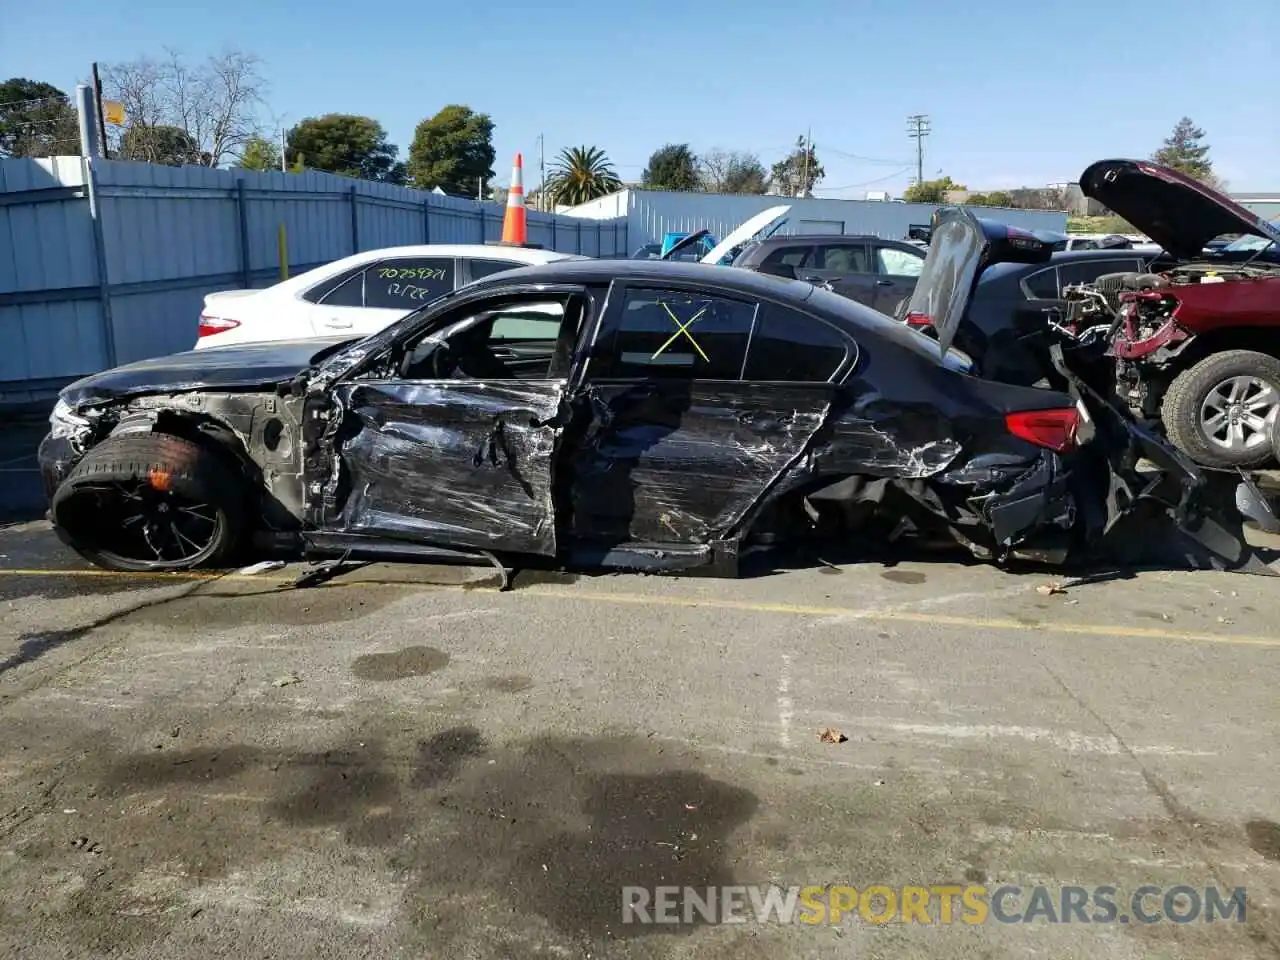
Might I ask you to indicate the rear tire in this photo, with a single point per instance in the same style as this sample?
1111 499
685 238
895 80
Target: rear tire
151 502
1200 404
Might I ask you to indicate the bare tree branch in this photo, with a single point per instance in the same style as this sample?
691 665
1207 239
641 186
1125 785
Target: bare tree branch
214 104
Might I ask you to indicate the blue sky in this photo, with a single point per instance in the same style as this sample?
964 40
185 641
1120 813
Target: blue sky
1018 93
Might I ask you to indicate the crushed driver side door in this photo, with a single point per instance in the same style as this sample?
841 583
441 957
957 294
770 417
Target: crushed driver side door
454 444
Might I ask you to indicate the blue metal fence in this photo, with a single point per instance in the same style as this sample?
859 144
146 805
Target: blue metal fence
79 293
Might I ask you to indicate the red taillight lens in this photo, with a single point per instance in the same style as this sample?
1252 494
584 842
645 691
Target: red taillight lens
1053 429
211 325
919 320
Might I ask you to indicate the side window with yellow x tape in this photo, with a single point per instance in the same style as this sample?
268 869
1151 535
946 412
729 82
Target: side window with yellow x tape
675 334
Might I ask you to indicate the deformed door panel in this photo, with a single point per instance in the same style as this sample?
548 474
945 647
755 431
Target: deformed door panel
452 463
669 461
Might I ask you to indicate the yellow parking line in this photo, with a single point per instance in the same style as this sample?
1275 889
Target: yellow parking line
902 616
745 606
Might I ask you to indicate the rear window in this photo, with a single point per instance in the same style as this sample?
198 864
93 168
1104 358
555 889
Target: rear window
486 268
785 257
789 346
407 283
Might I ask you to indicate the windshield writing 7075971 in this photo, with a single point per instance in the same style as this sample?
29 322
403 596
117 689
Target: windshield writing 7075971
411 273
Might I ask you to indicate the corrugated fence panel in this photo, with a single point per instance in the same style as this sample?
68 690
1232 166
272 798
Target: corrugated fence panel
170 235
46 244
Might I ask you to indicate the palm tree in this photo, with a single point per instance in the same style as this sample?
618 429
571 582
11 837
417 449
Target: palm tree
580 174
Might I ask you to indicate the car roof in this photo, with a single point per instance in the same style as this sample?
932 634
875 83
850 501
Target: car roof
854 317
1063 256
495 251
779 238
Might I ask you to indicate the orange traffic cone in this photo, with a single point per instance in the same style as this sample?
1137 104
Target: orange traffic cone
515 229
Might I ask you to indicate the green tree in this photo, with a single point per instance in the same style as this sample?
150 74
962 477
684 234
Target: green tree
931 191
453 151
1183 151
671 167
36 120
798 173
346 144
996 198
580 174
259 154
745 174
171 146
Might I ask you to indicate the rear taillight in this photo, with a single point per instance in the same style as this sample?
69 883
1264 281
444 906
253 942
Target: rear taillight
919 320
1053 429
211 325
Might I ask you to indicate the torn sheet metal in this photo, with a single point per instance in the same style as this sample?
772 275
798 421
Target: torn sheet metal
681 462
460 463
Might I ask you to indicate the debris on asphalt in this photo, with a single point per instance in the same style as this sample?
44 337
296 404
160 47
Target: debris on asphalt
265 566
1225 620
691 806
1049 589
877 783
286 681
831 735
86 845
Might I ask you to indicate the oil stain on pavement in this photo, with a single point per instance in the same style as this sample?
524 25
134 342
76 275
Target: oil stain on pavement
400 664
552 827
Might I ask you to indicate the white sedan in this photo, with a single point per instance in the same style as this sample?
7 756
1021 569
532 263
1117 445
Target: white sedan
357 295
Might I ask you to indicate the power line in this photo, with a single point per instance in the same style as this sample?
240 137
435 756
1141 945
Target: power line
876 160
917 130
20 103
867 183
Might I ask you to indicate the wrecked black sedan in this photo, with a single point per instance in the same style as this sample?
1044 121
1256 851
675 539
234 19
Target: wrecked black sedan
626 414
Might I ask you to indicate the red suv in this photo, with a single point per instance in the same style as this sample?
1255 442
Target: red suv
1197 344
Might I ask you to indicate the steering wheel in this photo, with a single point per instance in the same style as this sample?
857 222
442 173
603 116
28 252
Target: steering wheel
443 362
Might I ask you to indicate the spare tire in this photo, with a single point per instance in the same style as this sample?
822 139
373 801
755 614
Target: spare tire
151 502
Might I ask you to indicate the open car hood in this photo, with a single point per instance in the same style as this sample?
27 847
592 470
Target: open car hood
685 242
773 217
1177 212
961 247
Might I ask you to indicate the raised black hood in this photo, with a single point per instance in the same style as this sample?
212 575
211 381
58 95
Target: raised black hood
1175 211
246 366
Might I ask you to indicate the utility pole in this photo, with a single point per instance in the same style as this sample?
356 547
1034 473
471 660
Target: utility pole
917 130
102 121
284 167
542 175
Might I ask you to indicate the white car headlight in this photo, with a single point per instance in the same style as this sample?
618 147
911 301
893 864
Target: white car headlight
65 422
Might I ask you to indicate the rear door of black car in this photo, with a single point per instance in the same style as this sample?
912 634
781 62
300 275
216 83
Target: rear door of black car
692 404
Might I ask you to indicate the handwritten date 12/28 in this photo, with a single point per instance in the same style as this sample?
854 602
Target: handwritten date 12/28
408 291
411 273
